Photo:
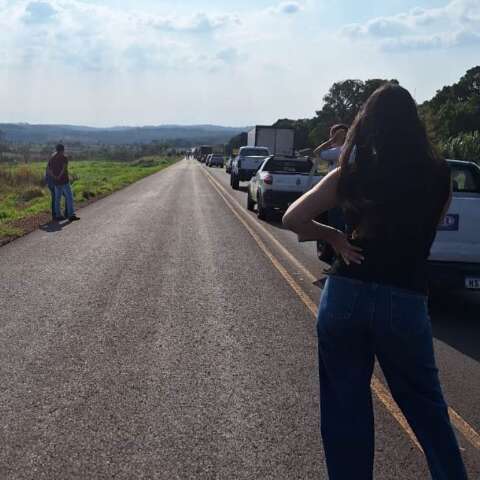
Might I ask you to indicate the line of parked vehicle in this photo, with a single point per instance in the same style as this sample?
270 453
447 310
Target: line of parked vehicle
276 181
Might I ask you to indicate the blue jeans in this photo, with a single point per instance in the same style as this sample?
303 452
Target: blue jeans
66 191
51 187
358 321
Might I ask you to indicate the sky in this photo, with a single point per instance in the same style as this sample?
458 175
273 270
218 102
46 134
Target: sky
235 63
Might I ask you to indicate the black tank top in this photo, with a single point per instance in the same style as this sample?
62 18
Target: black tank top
397 227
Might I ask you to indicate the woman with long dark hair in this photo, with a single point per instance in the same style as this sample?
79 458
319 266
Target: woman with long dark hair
394 191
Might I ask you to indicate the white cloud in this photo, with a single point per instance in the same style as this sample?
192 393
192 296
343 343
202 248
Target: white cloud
228 55
287 8
88 37
198 23
455 24
39 12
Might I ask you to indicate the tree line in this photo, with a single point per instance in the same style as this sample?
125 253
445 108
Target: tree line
452 116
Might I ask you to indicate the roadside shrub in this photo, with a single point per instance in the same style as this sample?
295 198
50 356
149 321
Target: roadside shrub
144 162
31 193
23 175
463 147
87 194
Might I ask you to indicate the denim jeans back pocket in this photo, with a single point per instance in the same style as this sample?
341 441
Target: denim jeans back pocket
409 314
336 307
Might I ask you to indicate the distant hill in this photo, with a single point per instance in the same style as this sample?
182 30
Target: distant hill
177 135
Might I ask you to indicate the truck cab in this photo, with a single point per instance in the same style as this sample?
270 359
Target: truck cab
246 163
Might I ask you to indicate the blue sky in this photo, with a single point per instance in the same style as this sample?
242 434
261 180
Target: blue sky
138 62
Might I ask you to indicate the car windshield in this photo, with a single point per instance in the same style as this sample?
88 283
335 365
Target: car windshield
254 152
287 166
465 179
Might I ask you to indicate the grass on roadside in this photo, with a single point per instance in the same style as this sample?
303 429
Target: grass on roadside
23 193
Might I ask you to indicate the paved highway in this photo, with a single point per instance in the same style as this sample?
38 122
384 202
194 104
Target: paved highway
170 335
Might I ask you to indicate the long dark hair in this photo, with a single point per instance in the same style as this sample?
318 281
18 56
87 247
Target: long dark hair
386 144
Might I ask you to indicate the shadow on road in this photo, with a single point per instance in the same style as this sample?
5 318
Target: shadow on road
456 321
52 227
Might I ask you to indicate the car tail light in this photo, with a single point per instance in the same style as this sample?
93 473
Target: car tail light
268 179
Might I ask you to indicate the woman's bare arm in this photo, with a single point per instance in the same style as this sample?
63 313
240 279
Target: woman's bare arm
300 218
302 213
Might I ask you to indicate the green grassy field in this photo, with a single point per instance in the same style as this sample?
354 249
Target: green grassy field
23 194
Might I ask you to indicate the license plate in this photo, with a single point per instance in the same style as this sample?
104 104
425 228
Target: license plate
472 283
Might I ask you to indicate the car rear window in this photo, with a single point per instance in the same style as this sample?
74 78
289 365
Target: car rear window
287 166
465 179
255 152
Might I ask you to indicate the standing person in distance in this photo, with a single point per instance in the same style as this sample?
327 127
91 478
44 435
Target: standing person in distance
49 181
329 152
58 169
394 191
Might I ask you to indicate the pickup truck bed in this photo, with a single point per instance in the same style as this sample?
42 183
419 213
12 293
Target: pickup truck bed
279 182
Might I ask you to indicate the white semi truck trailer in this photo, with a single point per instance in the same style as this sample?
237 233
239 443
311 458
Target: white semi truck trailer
279 141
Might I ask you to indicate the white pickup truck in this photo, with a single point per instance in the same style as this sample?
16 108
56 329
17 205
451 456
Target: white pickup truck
279 182
245 164
454 262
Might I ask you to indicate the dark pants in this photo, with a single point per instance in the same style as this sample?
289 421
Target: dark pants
52 196
358 321
51 187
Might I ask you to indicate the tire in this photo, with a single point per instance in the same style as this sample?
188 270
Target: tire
250 202
235 182
262 212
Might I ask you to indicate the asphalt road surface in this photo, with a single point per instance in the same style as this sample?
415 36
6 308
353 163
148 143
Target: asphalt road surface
170 335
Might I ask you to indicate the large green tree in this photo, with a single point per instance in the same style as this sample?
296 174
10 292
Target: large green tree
451 116
455 109
341 105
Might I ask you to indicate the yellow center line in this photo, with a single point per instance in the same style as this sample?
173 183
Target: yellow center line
380 391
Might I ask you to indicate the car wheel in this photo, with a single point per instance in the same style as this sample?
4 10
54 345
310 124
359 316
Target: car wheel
262 212
250 202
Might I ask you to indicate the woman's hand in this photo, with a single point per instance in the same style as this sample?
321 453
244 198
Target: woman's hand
341 245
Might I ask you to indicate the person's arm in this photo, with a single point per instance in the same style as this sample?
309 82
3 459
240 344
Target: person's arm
49 171
64 169
324 146
300 218
330 143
